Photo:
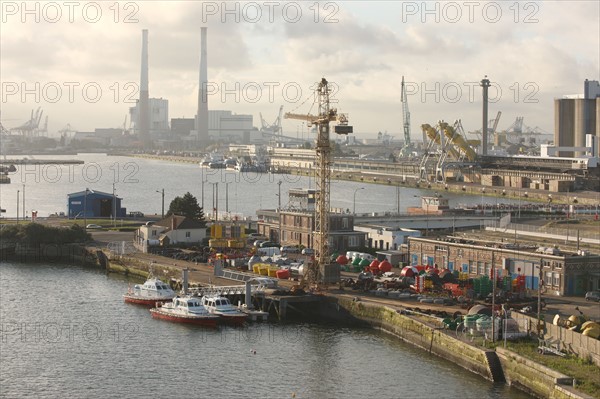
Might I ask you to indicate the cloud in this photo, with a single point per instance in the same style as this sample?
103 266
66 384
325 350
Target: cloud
366 51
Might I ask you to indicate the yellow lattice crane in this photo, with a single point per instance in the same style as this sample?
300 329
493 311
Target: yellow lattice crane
320 270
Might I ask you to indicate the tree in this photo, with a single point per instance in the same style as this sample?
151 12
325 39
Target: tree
187 206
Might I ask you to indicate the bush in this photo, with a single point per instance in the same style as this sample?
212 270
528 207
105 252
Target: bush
35 233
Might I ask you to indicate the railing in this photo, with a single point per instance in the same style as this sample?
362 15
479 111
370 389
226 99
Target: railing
570 234
225 290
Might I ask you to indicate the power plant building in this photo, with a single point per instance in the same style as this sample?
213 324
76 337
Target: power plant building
575 117
159 116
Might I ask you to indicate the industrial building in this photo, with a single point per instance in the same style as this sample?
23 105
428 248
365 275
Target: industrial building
94 204
158 114
563 272
295 224
575 116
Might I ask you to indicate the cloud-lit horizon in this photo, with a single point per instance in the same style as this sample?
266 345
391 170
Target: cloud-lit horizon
532 51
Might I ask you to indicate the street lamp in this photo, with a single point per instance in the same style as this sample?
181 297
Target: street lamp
24 212
354 200
215 200
227 197
18 191
163 202
114 199
85 208
279 207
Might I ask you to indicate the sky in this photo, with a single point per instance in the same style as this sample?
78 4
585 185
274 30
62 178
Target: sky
80 61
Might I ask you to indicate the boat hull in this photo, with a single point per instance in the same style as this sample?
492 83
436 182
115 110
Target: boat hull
138 300
206 321
233 319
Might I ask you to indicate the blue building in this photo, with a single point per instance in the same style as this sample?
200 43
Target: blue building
94 204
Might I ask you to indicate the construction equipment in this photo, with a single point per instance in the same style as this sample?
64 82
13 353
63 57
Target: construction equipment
273 128
319 270
444 140
407 148
31 127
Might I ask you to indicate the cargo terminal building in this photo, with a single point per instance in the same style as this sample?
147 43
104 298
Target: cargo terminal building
563 272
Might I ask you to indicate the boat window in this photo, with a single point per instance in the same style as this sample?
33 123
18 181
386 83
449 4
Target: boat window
158 287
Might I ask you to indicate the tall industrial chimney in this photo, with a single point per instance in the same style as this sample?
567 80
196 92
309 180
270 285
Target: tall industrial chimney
202 114
144 104
485 83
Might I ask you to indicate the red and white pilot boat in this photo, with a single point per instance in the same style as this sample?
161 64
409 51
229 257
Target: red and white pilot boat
185 310
152 291
222 307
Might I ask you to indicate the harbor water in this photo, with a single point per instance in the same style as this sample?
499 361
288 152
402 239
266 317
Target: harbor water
66 332
140 183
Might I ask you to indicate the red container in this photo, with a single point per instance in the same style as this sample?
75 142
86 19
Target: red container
283 274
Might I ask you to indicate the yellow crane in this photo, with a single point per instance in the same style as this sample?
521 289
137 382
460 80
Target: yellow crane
320 270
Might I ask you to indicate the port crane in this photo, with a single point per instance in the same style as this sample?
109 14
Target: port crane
319 270
275 127
407 148
31 127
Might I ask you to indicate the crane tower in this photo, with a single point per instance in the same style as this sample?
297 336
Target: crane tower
316 272
407 148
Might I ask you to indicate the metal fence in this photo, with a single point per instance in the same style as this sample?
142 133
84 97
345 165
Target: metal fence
570 234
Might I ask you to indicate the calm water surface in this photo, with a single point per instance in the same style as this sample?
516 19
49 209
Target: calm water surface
67 333
137 181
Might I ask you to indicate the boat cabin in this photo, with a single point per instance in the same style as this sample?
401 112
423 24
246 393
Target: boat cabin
187 302
216 302
155 285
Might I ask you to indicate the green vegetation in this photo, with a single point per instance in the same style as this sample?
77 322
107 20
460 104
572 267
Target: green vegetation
187 206
584 371
35 233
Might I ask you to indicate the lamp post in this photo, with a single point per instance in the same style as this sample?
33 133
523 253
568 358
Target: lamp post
202 203
24 212
539 304
114 207
354 200
85 208
493 298
427 217
279 207
162 192
227 197
215 200
18 191
398 196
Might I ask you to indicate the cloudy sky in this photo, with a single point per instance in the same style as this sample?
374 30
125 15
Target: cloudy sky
80 61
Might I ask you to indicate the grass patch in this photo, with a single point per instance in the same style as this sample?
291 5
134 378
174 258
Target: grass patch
585 372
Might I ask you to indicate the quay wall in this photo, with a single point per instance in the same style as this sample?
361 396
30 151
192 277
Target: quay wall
522 373
428 337
536 379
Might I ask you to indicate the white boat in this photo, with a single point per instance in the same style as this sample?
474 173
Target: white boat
222 307
185 310
152 291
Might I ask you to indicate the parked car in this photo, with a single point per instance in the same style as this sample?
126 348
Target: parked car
256 236
592 296
93 226
308 251
290 249
269 244
258 242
